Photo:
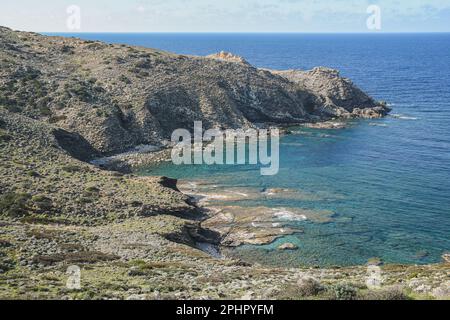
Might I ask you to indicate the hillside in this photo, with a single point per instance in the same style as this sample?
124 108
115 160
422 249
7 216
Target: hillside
119 96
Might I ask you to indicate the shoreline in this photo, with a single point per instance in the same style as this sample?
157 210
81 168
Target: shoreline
149 155
130 162
257 226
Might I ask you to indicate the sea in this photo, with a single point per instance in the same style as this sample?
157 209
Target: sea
386 181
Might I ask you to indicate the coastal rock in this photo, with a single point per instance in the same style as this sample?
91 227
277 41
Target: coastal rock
211 195
228 57
250 225
338 96
238 226
443 291
327 125
258 225
375 262
288 246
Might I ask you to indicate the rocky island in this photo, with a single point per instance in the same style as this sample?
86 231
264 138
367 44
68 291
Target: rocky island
65 102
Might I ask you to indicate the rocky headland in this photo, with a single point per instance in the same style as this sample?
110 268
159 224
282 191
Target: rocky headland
65 102
117 97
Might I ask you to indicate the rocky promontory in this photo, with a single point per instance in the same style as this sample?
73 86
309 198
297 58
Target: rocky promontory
117 97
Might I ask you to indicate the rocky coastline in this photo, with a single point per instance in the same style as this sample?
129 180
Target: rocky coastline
65 102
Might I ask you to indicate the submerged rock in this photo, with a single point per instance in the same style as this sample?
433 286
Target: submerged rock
288 246
258 225
327 125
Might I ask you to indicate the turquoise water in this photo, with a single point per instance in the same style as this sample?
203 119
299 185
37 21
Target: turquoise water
387 181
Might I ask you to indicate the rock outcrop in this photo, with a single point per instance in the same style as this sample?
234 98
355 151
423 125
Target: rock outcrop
288 246
228 57
338 96
117 97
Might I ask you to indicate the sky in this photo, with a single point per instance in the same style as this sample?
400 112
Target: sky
226 15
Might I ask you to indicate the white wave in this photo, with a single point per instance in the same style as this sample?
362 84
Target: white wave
239 193
403 117
289 215
378 124
276 225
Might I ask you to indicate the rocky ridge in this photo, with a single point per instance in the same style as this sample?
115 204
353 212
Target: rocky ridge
117 97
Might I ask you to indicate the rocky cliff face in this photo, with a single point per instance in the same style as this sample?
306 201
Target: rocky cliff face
337 96
117 96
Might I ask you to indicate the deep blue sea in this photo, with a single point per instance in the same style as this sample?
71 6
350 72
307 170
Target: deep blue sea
387 181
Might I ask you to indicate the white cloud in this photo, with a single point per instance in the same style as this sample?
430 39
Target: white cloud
229 15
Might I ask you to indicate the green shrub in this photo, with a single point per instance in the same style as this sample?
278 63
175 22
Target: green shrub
4 137
14 204
92 189
304 289
5 244
389 294
13 108
89 197
87 257
43 219
124 79
136 204
43 234
86 200
33 174
344 292
309 287
143 64
81 90
71 168
99 89
67 49
56 119
6 265
101 113
41 204
45 111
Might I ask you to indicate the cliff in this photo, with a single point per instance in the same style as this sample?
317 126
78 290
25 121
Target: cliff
118 96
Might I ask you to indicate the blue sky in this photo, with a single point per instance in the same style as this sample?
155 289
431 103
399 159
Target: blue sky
227 15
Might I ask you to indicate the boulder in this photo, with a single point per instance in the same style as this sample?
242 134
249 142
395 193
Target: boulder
288 246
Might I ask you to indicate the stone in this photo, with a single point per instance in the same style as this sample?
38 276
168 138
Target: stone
443 291
229 57
288 246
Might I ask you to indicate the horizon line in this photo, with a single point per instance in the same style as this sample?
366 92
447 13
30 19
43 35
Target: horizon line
239 32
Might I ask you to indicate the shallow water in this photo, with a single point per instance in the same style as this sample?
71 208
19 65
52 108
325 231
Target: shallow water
387 181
